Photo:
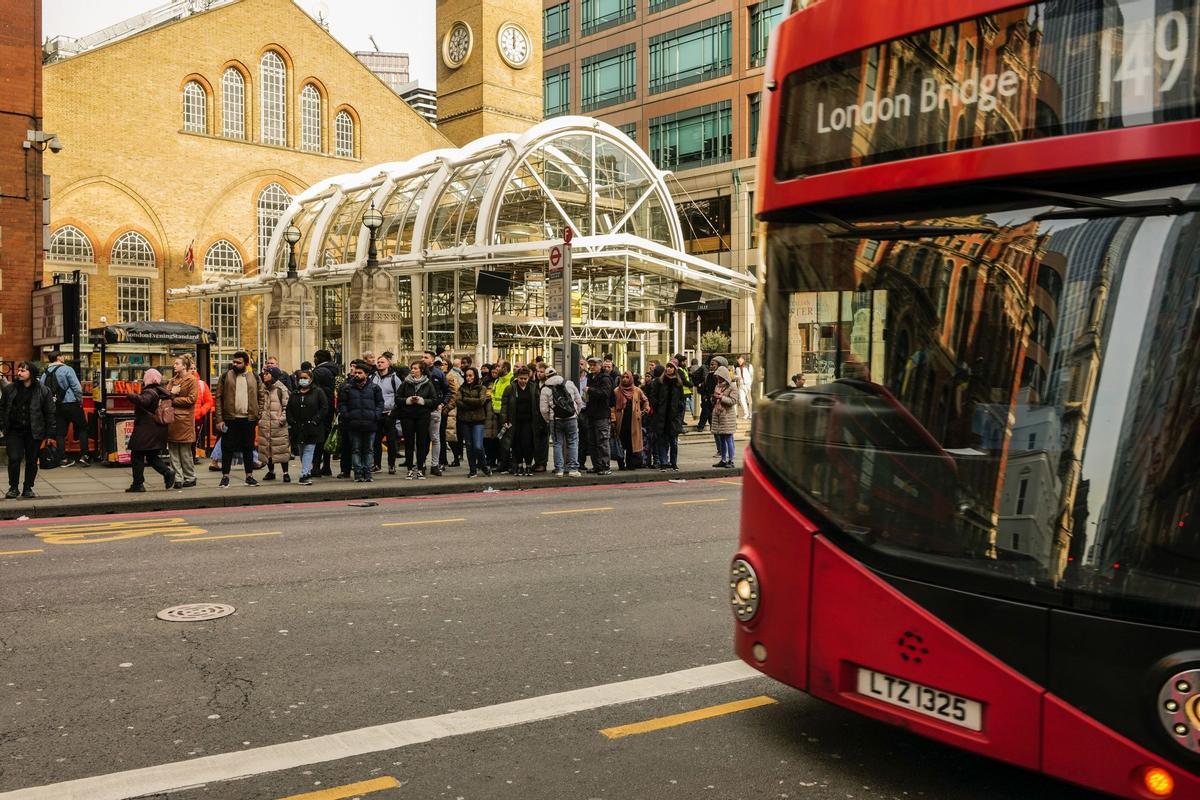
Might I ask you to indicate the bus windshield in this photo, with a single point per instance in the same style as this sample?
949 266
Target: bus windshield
1019 397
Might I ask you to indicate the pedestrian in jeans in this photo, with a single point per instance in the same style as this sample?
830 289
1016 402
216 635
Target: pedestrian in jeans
724 416
307 412
181 433
149 437
560 404
235 412
63 384
26 419
438 415
473 407
418 397
596 412
389 383
360 407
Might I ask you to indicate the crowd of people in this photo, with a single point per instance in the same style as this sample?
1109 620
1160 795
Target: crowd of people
424 417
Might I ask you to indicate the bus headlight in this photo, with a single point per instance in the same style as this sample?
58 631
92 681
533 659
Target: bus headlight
744 591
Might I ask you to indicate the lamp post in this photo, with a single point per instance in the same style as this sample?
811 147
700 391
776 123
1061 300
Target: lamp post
372 220
292 235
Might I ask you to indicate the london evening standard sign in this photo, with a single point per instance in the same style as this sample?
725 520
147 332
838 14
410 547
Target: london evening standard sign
1048 69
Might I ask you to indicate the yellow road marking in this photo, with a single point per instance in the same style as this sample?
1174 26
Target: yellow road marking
694 502
424 522
98 532
227 536
349 790
688 716
731 483
576 511
19 552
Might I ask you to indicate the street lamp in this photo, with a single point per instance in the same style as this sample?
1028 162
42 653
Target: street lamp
371 221
292 235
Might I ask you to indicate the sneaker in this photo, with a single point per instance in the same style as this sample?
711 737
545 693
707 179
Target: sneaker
376 468
341 476
575 474
357 479
305 480
12 494
368 479
224 484
472 474
287 478
29 494
391 469
605 472
137 487
270 476
178 485
250 481
435 471
558 473
719 464
187 484
420 474
412 473
326 472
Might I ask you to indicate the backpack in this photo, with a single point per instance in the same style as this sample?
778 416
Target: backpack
56 388
561 402
164 414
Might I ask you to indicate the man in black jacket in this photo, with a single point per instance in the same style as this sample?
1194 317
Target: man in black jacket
325 375
360 407
27 420
599 396
706 393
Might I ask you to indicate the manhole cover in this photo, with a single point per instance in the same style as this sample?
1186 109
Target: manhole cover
195 612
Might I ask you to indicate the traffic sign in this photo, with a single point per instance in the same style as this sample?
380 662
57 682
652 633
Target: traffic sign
568 235
555 256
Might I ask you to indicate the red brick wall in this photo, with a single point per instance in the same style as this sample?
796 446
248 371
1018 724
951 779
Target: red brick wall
20 171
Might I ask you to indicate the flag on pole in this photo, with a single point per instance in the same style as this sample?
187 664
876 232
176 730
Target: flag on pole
189 258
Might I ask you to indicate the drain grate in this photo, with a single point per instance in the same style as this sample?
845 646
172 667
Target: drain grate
195 612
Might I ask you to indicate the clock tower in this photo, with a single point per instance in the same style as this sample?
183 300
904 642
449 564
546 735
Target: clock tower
489 67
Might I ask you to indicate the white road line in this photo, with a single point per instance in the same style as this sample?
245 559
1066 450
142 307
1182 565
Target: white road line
260 760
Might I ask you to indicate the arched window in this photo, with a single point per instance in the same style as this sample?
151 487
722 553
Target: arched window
233 104
272 202
132 250
943 288
310 118
224 258
272 78
344 134
195 108
69 245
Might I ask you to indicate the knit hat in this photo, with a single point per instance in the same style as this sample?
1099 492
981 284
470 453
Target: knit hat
275 372
659 370
151 377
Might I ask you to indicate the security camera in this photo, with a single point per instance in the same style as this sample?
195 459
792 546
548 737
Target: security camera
56 145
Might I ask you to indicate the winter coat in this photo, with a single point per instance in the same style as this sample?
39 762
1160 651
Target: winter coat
42 422
640 403
724 415
499 386
389 384
471 403
424 389
148 432
274 443
325 377
508 405
451 409
184 389
204 399
306 415
666 403
598 395
360 407
546 400
224 397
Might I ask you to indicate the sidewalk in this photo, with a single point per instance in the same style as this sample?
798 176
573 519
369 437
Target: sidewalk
100 490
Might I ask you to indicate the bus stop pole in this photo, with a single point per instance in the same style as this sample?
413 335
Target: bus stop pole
566 284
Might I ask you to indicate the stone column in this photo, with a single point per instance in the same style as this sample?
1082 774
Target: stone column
374 315
292 322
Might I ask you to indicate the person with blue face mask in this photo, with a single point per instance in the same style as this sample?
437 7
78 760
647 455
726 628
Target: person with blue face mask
307 412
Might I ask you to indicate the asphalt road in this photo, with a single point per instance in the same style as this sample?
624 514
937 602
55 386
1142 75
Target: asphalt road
505 606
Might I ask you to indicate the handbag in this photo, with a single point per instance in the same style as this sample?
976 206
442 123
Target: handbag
333 442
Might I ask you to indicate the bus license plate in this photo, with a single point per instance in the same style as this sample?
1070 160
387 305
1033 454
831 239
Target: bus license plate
921 699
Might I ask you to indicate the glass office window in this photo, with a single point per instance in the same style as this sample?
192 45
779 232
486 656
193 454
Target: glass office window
755 116
706 224
693 138
763 17
556 25
692 54
659 5
609 78
556 91
629 129
596 15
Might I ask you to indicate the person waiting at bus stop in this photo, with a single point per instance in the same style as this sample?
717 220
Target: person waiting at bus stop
520 411
149 437
307 412
417 399
26 420
599 395
235 412
666 414
360 407
181 433
63 383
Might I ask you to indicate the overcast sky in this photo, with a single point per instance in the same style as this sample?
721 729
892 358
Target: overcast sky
404 26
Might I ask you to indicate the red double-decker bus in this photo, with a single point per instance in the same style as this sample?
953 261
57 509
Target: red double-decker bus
978 517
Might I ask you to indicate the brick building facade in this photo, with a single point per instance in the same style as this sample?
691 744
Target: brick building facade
21 237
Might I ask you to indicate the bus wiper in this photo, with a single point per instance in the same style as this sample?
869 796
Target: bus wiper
1082 206
896 231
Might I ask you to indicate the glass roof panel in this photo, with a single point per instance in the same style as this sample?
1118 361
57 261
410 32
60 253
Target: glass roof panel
400 214
620 182
341 236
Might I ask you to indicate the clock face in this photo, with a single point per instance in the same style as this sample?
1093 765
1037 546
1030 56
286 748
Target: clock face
514 44
457 45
